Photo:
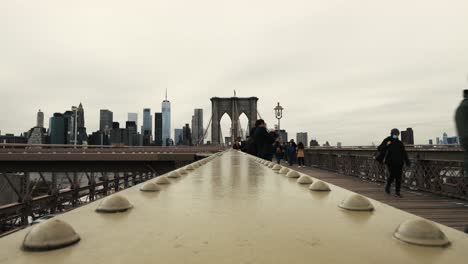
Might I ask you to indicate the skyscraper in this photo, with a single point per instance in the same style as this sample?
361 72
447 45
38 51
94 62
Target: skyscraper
187 135
57 131
302 137
444 138
131 137
158 129
80 117
147 120
105 121
197 127
40 119
178 136
133 117
166 121
407 137
147 130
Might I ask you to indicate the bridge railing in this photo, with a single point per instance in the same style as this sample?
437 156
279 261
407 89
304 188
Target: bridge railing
54 148
438 171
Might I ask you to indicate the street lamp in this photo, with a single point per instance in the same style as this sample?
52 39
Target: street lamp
279 114
75 110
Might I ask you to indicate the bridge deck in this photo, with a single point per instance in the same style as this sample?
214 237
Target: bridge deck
443 210
234 210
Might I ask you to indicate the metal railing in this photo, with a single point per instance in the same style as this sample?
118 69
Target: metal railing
438 171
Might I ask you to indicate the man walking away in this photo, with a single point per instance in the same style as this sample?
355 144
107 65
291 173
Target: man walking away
395 157
251 146
461 118
264 141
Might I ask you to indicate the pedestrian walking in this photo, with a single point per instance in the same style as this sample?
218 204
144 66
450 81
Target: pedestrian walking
291 151
300 155
264 141
395 156
279 152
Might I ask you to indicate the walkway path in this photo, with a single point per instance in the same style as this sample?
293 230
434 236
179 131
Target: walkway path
443 210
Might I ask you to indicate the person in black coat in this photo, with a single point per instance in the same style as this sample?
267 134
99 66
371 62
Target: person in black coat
395 157
264 141
250 146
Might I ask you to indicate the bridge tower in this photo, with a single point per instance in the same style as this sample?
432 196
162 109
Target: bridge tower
234 107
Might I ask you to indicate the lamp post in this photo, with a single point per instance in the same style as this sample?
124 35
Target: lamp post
279 114
75 110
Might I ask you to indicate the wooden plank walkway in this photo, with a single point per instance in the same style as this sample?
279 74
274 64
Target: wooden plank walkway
443 210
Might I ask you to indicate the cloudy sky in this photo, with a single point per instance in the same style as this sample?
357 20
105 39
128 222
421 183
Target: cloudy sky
344 70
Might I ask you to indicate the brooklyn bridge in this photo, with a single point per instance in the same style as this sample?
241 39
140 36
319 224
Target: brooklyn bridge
194 204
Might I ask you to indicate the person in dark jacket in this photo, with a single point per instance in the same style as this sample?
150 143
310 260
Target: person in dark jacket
264 141
250 146
395 158
291 151
461 119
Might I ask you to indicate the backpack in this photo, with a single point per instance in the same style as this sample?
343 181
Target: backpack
278 150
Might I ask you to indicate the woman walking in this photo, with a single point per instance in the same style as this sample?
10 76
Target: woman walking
300 155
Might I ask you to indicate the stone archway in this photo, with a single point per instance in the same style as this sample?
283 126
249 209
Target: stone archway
234 107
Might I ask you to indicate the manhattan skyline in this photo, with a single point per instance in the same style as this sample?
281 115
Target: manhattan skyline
346 72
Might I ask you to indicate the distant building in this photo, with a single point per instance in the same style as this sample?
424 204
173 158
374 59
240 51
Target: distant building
133 117
166 121
99 138
80 117
338 144
115 134
453 141
10 138
57 129
187 135
37 135
445 141
131 136
438 140
431 142
407 136
106 118
283 135
69 117
178 136
147 130
158 129
40 119
197 127
314 143
302 137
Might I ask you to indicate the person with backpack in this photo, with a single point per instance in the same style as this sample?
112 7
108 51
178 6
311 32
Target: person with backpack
300 155
395 156
279 152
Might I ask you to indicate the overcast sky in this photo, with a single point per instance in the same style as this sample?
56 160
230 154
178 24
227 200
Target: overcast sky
346 70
